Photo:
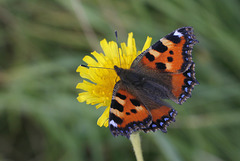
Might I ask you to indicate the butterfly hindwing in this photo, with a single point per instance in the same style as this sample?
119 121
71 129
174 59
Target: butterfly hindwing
162 113
161 118
170 54
183 84
127 113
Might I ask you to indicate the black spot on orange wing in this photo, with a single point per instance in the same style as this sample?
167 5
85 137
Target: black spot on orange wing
170 59
160 66
135 102
159 47
121 96
115 118
150 57
116 105
171 52
173 38
133 111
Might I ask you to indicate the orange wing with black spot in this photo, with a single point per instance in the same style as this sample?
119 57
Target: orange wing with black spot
127 113
162 116
171 58
170 54
183 84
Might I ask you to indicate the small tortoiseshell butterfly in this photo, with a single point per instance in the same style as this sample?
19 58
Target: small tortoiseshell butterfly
163 71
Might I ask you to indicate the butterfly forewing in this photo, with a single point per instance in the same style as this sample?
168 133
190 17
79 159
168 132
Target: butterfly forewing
170 54
169 63
127 113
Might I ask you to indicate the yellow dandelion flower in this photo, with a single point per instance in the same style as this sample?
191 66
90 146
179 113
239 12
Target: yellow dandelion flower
98 82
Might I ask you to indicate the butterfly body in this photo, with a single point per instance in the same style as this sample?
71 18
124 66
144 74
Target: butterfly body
163 71
136 82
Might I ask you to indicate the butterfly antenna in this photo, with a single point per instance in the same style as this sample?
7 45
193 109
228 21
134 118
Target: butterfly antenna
116 35
86 66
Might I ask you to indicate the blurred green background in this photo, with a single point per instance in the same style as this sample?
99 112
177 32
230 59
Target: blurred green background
43 42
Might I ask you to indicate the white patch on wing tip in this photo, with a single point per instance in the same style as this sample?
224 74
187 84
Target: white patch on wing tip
176 33
113 123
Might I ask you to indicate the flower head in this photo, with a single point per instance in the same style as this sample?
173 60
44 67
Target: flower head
99 82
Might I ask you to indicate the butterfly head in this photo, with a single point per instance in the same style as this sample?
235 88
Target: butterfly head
118 70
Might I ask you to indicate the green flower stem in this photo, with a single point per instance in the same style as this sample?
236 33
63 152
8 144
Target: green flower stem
136 143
